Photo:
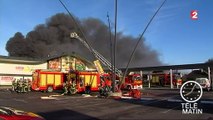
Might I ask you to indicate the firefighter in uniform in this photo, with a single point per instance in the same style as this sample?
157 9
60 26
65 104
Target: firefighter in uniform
88 89
28 85
14 85
101 90
19 86
72 87
65 87
104 87
25 85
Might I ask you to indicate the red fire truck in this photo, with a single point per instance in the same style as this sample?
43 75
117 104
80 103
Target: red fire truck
163 78
85 79
47 80
132 81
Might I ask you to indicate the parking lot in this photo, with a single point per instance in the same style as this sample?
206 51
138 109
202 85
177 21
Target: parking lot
154 104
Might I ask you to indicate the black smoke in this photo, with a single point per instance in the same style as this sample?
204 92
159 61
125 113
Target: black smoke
53 39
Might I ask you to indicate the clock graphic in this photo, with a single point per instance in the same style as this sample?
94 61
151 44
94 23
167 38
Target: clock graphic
191 91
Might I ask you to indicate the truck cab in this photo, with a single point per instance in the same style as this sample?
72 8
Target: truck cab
133 81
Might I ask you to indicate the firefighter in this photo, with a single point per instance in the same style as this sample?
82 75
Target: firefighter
24 85
65 87
104 91
19 86
72 89
107 90
14 85
104 88
28 85
101 90
88 89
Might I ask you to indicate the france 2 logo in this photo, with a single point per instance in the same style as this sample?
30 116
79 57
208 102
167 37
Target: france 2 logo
194 14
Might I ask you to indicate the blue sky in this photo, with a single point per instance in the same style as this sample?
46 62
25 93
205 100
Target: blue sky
177 38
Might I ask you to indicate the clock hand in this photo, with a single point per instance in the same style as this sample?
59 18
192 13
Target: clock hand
191 90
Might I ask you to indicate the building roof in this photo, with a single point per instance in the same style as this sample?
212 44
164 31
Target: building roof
174 67
20 60
73 54
33 61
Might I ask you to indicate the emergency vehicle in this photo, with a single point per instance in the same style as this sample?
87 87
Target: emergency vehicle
163 79
86 79
132 81
47 80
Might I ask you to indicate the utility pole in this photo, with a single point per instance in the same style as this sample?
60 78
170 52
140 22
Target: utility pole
115 45
140 38
111 49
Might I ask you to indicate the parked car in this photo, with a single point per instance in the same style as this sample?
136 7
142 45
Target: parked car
7 113
204 82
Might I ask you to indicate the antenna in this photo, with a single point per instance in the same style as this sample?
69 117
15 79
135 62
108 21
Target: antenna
140 38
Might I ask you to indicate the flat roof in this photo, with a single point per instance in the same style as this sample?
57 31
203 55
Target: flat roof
33 61
173 67
20 60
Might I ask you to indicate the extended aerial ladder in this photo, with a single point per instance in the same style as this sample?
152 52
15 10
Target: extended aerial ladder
100 57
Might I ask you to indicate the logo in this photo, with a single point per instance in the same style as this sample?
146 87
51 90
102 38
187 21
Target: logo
194 14
191 92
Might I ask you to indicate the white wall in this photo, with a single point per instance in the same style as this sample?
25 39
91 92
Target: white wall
18 70
7 68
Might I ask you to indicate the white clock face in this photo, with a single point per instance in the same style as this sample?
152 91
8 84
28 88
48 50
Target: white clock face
191 91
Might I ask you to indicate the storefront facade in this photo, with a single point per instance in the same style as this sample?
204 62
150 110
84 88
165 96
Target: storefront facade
18 68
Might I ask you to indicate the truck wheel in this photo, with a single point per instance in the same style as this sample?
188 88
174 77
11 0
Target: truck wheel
49 89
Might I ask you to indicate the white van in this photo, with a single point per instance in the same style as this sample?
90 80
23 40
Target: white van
204 82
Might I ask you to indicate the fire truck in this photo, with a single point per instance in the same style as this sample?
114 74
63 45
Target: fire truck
132 81
47 80
163 79
86 79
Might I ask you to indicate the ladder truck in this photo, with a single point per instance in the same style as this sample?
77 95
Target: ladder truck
100 57
105 83
130 82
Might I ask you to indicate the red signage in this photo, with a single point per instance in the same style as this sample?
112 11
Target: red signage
7 78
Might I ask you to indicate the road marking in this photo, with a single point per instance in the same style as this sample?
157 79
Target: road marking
170 109
56 95
174 100
147 99
20 100
124 97
48 98
206 102
129 98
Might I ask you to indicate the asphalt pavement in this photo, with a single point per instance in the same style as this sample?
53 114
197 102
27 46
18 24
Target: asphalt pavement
154 104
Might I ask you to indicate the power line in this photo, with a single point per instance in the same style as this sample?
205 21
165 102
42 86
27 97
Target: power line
140 38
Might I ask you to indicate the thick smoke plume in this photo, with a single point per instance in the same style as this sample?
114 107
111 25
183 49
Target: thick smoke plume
53 39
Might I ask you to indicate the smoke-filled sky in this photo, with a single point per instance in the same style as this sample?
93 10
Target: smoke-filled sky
172 38
53 39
